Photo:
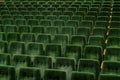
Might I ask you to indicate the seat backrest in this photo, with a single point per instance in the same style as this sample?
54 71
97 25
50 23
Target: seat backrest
52 74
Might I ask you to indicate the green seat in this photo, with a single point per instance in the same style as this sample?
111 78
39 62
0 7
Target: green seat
53 50
6 16
97 2
41 9
51 8
34 48
37 29
110 70
3 46
116 13
109 76
73 51
52 30
13 36
27 73
45 22
4 59
68 2
90 17
59 23
46 12
43 62
8 21
10 28
4 11
110 67
84 9
46 5
83 31
33 22
64 17
89 66
57 13
115 18
75 5
99 32
27 37
93 52
43 38
86 5
96 9
105 8
59 2
96 40
9 4
86 23
82 13
33 2
65 63
7 72
73 9
39 17
65 5
78 2
24 2
24 29
103 18
16 47
2 36
1 27
12 8
55 5
29 7
114 32
42 2
73 23
16 2
76 17
18 17
112 53
51 17
82 76
53 74
0 23
16 13
93 13
61 39
69 13
116 1
24 11
68 30
78 40
113 41
107 3
102 24
19 60
28 17
34 12
61 9
20 22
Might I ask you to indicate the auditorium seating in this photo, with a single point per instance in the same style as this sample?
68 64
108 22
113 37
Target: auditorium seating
59 40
